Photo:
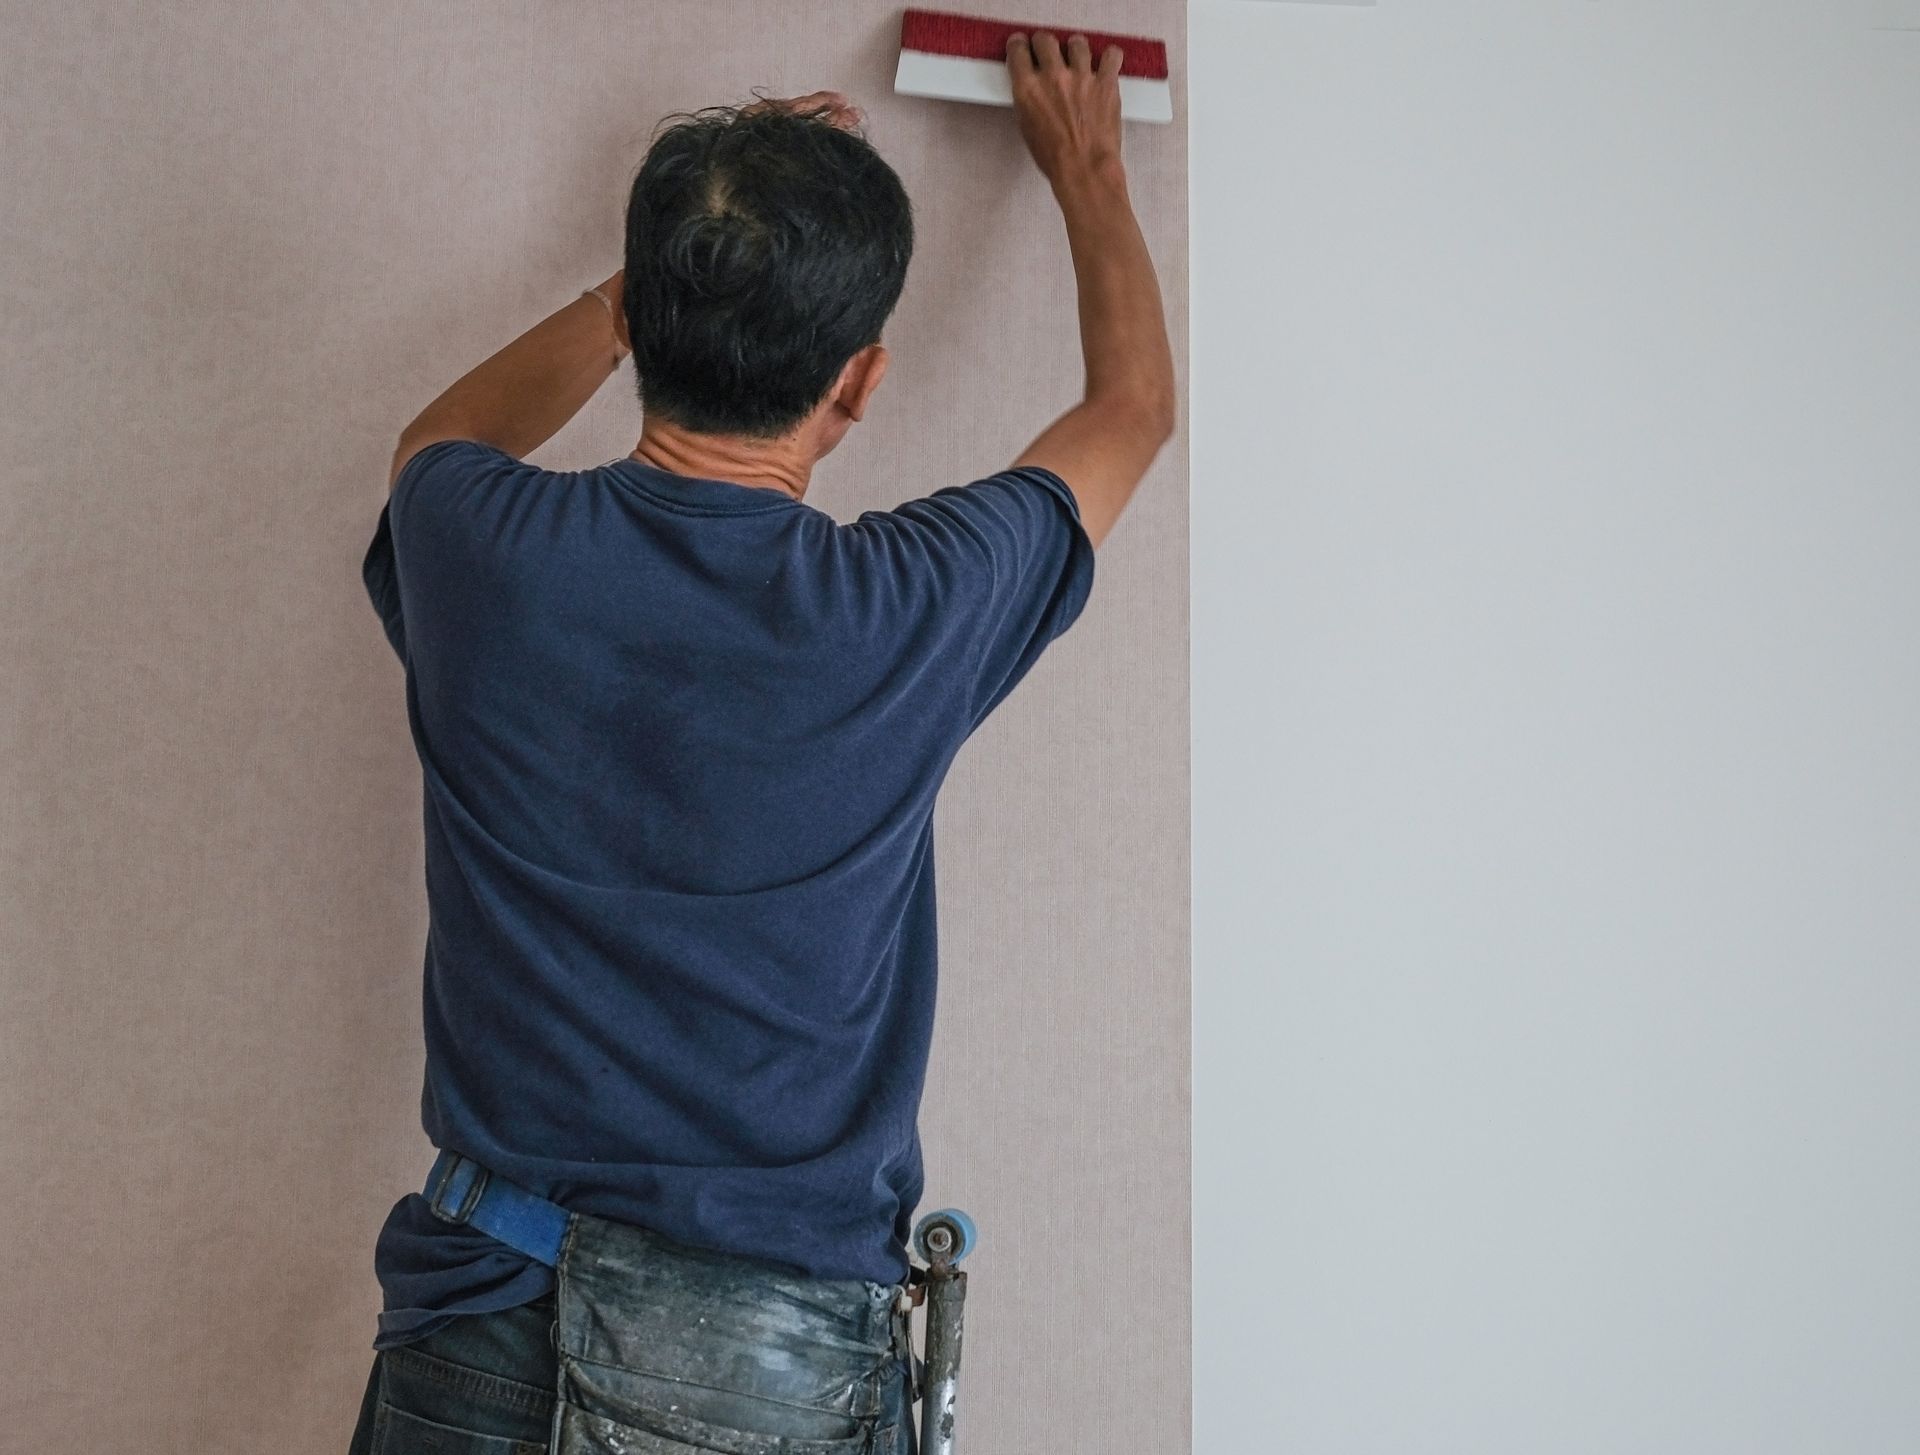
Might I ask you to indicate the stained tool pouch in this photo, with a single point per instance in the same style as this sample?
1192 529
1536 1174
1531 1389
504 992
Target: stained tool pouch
668 1349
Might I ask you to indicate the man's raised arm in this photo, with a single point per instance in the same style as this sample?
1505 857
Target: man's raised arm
1069 116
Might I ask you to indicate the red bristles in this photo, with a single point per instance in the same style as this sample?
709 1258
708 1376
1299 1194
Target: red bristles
942 33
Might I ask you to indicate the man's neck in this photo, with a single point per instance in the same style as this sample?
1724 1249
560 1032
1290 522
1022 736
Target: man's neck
783 464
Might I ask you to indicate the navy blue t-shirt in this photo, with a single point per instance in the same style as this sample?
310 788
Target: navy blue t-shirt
680 741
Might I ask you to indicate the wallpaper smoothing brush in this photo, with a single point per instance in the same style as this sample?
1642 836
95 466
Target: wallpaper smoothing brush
964 58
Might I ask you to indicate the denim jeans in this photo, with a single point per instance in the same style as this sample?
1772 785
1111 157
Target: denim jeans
651 1347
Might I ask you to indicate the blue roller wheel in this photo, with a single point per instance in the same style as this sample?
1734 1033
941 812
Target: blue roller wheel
945 1236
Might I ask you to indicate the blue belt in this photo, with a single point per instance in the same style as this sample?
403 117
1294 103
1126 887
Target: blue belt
460 1190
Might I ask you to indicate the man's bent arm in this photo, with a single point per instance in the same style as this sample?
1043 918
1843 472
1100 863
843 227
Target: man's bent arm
1103 445
1069 114
519 398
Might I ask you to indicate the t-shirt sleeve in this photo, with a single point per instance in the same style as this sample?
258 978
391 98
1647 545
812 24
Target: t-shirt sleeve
438 467
383 583
1016 567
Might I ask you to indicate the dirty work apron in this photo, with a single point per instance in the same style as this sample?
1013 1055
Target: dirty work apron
668 1349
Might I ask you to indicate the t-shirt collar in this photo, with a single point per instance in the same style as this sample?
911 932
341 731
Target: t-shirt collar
696 492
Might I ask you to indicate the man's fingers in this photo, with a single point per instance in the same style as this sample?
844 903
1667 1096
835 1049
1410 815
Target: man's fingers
1019 55
834 103
840 111
1110 59
1046 49
1079 53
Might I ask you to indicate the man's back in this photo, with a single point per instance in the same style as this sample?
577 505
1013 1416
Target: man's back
680 741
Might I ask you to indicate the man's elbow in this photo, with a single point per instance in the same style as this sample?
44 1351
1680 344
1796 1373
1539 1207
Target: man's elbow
1152 417
1147 413
1163 417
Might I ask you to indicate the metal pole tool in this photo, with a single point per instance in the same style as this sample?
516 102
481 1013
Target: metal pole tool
942 1238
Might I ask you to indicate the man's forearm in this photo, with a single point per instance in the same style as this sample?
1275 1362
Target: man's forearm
520 398
1123 331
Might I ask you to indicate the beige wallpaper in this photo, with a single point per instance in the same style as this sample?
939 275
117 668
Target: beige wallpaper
242 244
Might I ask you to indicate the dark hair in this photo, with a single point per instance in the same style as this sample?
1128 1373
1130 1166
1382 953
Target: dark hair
764 249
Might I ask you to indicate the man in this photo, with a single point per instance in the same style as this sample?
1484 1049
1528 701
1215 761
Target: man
680 736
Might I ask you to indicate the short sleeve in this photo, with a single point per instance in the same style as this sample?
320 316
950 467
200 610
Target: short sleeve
383 585
1019 566
436 467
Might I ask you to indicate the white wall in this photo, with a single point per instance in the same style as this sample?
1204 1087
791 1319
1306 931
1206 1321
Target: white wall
1556 508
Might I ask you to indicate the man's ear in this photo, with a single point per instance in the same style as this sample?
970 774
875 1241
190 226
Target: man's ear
860 377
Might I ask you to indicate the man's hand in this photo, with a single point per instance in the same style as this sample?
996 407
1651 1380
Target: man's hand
833 104
1069 112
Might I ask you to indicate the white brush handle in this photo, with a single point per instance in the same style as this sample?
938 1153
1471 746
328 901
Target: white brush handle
962 78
